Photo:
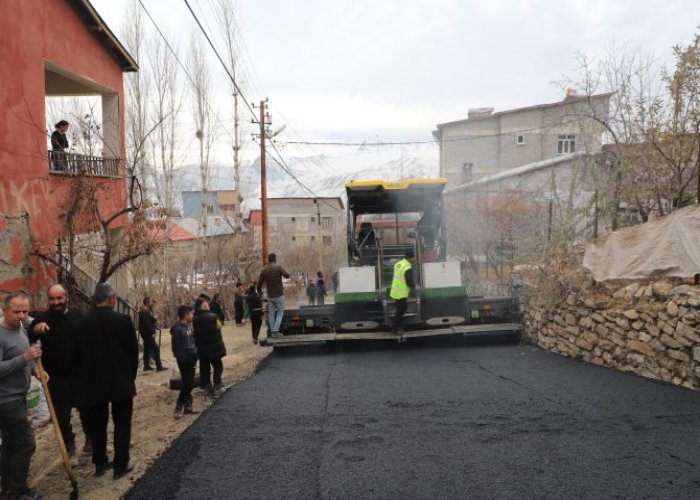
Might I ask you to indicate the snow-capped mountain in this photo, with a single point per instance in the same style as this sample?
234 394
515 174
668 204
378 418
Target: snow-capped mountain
322 174
326 174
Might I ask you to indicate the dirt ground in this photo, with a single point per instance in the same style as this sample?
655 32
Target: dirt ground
153 426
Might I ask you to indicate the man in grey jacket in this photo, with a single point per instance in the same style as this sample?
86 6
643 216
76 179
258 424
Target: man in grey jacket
16 356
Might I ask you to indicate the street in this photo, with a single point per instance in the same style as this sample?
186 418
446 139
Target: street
436 418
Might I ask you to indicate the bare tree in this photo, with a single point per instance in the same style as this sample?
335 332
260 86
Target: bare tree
137 89
230 29
653 130
205 131
166 101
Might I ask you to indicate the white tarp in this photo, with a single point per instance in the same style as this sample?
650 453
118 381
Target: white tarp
669 246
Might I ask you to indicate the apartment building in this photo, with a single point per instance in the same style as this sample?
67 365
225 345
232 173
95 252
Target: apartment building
488 143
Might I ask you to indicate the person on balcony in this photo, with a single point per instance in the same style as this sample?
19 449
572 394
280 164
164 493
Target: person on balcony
59 145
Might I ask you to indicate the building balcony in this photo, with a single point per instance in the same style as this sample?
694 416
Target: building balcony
77 164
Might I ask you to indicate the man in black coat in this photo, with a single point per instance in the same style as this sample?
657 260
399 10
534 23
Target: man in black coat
147 329
210 346
107 360
56 328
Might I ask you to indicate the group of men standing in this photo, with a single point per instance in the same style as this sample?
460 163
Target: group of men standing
91 363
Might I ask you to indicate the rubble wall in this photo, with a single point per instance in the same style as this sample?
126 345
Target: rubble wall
651 329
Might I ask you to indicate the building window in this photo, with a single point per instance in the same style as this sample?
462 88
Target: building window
294 238
313 238
467 172
327 221
294 219
327 241
566 144
520 139
313 219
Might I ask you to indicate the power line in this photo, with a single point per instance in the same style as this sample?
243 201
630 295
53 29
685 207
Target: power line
223 64
282 163
408 143
405 143
180 63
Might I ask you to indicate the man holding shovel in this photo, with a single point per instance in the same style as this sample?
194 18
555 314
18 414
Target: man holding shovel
16 356
55 328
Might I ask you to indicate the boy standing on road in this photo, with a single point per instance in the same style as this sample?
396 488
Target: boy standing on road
256 312
210 347
185 352
311 292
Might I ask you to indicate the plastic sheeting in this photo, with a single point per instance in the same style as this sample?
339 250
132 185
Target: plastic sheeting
669 246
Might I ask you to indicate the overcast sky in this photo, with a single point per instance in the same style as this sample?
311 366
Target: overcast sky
394 69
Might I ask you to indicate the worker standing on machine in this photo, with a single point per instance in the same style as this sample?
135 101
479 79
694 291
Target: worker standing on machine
401 288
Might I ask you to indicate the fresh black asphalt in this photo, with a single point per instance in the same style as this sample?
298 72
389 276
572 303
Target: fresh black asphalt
435 419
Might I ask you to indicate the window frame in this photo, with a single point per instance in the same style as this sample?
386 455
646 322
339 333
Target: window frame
566 144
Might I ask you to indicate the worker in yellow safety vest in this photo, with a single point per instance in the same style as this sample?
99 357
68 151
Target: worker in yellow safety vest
401 288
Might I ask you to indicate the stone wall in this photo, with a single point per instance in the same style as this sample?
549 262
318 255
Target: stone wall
651 329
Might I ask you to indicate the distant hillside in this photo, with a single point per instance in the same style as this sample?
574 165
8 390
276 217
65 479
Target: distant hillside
323 174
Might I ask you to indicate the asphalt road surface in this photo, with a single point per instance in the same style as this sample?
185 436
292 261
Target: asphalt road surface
436 419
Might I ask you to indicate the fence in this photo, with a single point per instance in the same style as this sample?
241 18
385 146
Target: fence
77 164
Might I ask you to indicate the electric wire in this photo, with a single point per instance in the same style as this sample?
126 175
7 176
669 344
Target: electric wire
283 164
180 63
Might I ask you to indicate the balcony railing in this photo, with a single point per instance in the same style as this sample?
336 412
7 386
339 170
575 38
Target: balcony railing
76 164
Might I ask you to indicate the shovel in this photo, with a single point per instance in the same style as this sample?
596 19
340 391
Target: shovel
57 430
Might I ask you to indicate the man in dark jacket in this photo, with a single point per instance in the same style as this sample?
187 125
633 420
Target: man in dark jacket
185 352
256 312
271 275
210 347
107 359
55 328
217 308
238 304
147 329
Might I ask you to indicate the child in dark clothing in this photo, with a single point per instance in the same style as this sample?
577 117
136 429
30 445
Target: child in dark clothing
256 311
185 352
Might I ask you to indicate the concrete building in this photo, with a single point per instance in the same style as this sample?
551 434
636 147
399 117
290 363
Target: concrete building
488 143
56 48
303 229
220 203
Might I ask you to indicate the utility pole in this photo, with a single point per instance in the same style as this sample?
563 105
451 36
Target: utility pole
319 234
263 180
264 120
